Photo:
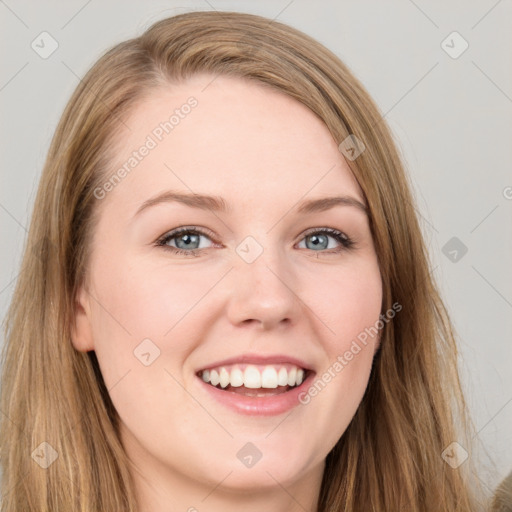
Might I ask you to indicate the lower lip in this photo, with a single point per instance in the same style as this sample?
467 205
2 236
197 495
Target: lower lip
259 405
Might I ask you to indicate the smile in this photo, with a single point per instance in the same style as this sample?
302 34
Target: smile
256 389
243 378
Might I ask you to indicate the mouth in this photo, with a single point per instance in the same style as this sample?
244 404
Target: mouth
256 384
255 380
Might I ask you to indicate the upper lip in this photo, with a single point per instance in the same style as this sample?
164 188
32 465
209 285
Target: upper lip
259 359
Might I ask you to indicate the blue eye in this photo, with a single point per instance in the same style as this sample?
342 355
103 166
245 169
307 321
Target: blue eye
189 237
320 238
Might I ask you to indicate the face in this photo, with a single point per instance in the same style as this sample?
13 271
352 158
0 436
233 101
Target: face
270 293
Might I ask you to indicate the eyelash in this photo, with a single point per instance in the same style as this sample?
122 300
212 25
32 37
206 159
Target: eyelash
344 240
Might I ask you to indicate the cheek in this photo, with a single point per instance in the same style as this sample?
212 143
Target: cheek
348 306
136 307
345 302
139 301
149 300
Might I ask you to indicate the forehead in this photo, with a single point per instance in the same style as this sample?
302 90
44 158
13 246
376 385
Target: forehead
229 137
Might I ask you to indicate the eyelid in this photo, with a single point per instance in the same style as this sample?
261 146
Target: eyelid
322 229
185 229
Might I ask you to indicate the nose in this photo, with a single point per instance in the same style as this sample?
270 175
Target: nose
263 293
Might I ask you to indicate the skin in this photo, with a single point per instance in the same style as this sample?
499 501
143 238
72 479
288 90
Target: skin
263 152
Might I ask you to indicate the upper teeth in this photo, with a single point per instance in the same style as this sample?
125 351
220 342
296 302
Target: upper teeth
252 376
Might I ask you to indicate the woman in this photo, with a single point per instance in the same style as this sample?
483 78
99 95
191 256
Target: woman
143 373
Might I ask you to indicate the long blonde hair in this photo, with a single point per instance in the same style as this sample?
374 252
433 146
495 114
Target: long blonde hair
390 458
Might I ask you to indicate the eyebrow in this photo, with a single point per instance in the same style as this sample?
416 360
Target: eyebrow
218 204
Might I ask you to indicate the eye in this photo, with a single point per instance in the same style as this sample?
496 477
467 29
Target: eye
187 238
187 241
319 239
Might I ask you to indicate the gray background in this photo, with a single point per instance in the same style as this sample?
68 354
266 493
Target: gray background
451 116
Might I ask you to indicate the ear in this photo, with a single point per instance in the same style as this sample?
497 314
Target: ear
81 330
